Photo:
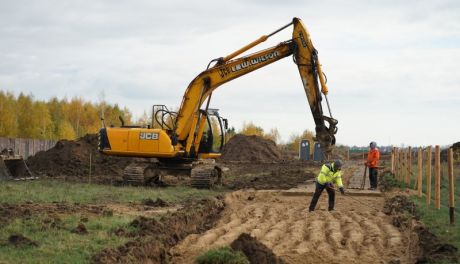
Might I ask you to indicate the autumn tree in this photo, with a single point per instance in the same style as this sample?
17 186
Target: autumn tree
249 129
294 140
8 115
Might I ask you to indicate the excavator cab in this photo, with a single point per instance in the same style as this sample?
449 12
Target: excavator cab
213 138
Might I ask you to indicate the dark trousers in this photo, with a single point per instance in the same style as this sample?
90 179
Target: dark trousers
318 190
373 178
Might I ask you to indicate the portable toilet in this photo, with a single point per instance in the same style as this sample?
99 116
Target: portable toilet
304 150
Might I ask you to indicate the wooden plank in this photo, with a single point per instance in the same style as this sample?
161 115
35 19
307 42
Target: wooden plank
428 175
437 177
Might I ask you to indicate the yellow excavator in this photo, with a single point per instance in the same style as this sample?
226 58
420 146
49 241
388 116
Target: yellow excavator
187 139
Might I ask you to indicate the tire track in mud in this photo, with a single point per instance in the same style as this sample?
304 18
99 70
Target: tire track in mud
351 234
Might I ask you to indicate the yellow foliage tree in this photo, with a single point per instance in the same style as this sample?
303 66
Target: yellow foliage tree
249 129
294 140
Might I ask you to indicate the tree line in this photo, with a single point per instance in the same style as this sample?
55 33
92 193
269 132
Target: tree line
24 117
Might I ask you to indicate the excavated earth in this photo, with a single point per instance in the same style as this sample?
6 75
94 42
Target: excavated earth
353 233
71 160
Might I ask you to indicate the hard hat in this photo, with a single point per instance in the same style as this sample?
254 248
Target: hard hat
338 164
373 144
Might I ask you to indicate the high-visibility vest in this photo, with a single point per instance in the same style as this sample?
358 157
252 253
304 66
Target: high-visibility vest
328 175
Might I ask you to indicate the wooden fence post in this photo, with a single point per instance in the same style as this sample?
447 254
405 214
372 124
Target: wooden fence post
437 177
450 168
393 160
428 176
420 172
409 168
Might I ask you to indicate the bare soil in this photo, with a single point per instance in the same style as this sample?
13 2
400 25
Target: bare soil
71 159
250 149
354 232
19 240
154 237
256 252
260 176
9 212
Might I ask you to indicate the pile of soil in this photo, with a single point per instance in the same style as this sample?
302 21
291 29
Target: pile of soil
244 148
80 229
432 250
153 238
256 252
72 158
157 203
266 176
9 212
19 240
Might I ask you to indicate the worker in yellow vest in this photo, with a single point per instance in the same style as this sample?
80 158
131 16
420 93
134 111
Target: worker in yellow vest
330 175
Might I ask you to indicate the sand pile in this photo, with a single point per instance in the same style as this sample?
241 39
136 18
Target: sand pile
251 149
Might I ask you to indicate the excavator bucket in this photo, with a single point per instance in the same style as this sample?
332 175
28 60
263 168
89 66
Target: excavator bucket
14 168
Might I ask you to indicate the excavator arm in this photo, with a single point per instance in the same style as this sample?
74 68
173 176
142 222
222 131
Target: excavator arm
189 123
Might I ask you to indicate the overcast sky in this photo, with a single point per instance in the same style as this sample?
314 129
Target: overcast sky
392 66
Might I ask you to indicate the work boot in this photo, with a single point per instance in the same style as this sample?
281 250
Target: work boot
331 209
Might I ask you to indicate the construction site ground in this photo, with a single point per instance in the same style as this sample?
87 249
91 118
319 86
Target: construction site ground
65 217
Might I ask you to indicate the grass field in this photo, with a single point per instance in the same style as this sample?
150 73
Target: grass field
48 191
57 243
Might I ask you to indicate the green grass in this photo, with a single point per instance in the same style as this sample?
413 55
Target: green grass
223 255
47 191
437 222
60 245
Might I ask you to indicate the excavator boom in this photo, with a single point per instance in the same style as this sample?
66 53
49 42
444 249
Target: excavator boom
228 68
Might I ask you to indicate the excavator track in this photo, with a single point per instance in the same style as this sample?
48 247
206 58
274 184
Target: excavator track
139 174
203 177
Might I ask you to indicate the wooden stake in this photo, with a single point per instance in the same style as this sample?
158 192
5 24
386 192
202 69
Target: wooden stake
420 172
428 176
89 168
450 168
409 168
393 161
437 177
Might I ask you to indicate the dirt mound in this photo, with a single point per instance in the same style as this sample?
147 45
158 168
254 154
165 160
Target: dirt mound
157 203
80 229
71 158
19 240
433 250
9 212
153 238
262 176
244 148
399 204
256 252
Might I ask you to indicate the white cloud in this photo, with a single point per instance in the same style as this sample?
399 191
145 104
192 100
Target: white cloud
392 66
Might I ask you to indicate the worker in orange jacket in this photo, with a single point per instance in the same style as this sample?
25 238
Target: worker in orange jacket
372 163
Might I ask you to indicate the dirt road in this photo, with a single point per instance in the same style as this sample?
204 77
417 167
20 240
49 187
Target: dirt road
354 233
